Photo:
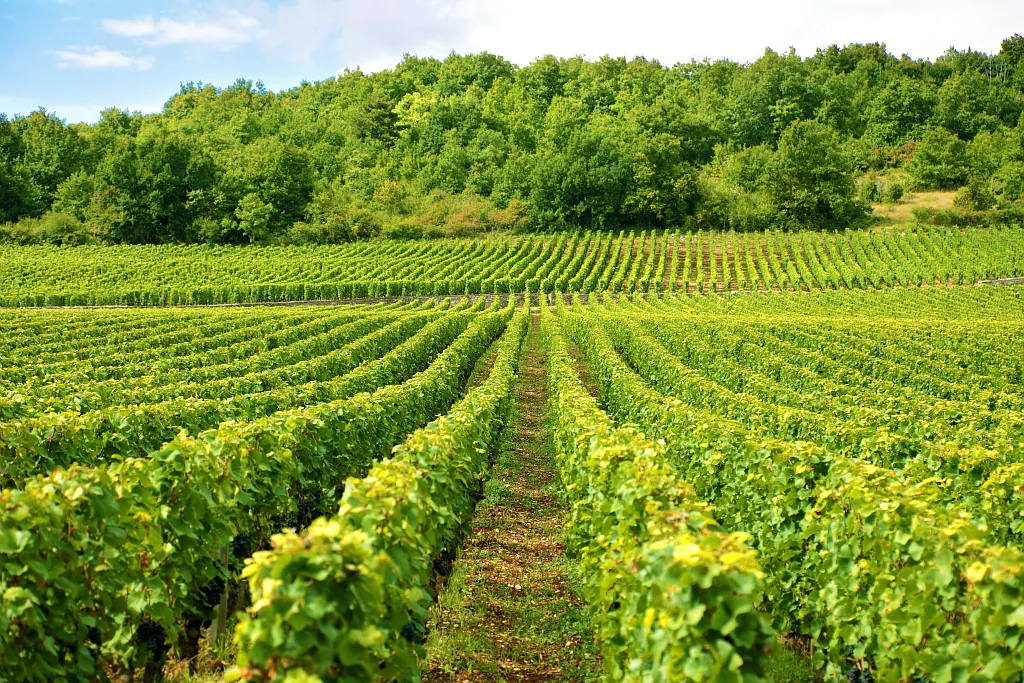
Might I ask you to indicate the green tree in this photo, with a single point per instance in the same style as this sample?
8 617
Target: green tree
582 184
49 151
255 217
375 119
811 181
899 112
962 105
662 188
545 78
103 135
974 196
74 195
940 161
445 145
746 168
1011 54
480 70
277 174
19 196
765 98
143 189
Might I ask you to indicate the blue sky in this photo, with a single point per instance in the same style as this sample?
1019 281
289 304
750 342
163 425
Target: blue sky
76 57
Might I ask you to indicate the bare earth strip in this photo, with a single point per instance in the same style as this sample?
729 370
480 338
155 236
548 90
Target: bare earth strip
512 610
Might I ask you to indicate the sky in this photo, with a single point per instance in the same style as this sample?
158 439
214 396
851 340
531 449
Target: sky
77 57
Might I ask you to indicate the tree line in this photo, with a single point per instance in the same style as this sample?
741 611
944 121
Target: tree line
473 143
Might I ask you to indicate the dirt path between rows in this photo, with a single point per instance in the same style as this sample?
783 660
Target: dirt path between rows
512 609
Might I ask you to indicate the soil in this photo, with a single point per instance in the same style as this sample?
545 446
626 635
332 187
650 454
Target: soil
512 610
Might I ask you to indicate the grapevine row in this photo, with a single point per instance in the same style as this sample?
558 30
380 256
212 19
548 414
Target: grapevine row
579 262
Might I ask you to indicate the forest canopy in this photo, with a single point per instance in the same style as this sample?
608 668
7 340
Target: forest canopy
473 143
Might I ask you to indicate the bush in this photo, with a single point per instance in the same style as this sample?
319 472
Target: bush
255 217
974 196
50 228
468 214
74 194
966 218
1005 215
867 191
729 207
333 231
1009 182
514 216
209 230
365 223
948 217
747 168
403 229
892 193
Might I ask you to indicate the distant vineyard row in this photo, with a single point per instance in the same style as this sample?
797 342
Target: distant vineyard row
701 262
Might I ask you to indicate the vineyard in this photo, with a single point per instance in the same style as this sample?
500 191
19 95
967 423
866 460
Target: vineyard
118 530
700 262
846 472
829 460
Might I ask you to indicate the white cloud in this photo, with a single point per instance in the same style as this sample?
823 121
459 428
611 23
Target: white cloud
99 58
372 35
298 29
224 30
375 35
737 29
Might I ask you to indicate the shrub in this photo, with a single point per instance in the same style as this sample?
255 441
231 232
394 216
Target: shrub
402 229
730 207
867 191
1009 182
974 196
747 168
50 228
334 230
924 214
892 193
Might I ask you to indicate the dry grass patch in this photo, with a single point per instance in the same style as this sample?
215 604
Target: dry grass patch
902 212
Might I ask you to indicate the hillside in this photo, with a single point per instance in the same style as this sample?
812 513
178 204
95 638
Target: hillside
473 143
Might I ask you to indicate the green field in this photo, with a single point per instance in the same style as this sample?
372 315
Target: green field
454 369
641 261
768 453
857 459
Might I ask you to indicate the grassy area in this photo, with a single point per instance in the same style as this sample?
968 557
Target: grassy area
787 664
902 212
211 663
